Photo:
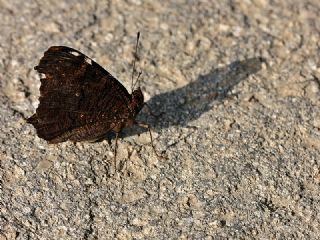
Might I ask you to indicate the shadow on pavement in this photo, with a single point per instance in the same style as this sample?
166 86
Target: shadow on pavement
185 104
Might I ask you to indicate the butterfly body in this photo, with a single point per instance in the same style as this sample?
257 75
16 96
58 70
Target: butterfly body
79 100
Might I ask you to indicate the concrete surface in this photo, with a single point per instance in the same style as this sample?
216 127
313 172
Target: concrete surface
242 136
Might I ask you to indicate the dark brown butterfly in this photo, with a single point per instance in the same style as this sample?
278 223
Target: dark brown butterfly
81 101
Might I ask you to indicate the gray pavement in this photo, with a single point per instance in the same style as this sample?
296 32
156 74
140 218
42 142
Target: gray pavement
239 85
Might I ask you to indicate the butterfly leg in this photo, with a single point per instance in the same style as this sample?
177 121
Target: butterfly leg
149 130
115 152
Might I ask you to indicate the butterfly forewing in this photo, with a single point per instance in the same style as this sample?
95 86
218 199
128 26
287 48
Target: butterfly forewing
79 100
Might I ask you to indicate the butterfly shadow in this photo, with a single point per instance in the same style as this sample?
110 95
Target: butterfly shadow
183 105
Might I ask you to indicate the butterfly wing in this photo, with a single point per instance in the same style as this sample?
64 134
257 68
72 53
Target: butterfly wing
79 100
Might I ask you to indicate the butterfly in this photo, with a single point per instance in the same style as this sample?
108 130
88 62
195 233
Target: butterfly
81 101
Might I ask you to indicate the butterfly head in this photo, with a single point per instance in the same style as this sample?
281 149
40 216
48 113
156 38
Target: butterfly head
137 101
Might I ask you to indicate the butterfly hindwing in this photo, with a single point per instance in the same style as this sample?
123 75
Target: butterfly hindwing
77 97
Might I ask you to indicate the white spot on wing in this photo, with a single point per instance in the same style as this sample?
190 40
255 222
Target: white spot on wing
42 75
88 60
75 53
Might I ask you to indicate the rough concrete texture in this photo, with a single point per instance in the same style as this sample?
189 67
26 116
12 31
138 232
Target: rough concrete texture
241 134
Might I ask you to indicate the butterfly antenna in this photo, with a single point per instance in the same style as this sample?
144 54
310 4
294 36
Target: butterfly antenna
134 61
137 80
